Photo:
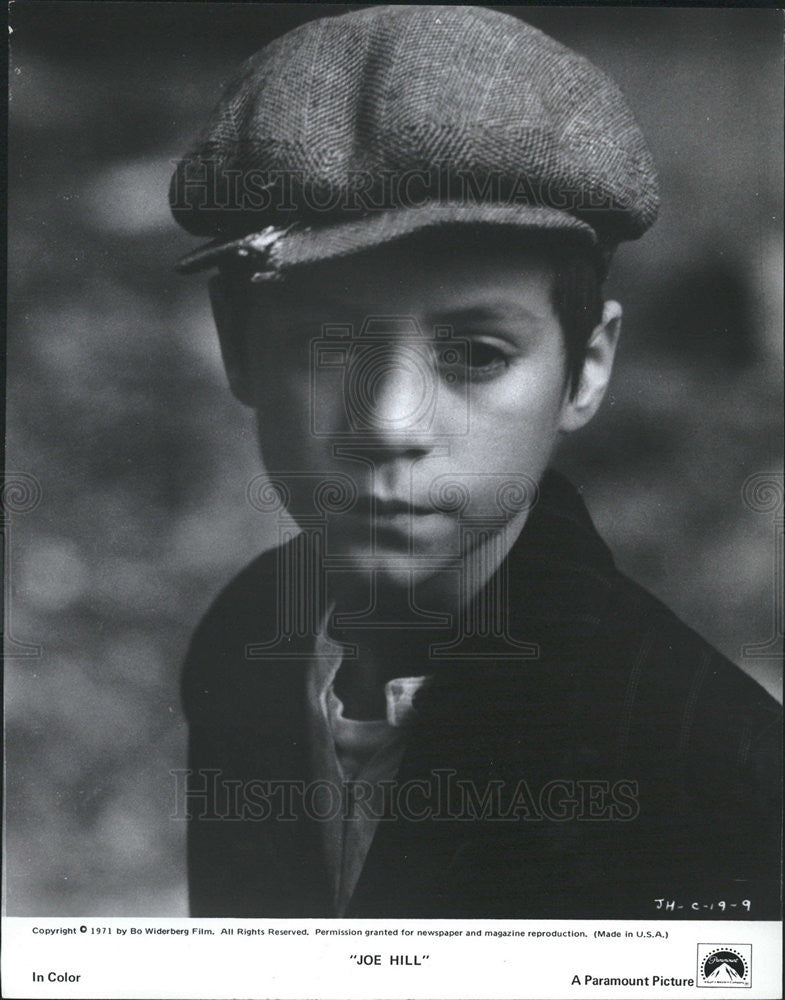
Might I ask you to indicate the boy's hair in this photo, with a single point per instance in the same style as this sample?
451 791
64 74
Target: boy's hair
576 291
578 299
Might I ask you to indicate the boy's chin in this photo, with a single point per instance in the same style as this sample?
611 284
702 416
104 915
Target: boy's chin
392 569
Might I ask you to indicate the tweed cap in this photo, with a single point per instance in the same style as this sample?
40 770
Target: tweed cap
354 130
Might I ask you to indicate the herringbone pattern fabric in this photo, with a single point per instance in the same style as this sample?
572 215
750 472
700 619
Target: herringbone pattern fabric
411 116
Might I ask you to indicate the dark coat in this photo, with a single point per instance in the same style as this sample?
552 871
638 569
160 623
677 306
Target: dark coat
669 750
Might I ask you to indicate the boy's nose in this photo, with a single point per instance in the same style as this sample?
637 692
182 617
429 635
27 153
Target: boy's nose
391 392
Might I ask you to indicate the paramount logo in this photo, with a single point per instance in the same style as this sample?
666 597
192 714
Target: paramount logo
727 965
724 973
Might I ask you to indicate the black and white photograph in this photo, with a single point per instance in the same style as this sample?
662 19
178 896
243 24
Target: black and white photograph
393 500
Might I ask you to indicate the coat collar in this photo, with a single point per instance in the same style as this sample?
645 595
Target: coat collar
550 593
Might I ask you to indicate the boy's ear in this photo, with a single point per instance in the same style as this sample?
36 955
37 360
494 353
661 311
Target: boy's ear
230 323
596 372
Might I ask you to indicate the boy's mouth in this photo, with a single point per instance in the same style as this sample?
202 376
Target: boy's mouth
393 521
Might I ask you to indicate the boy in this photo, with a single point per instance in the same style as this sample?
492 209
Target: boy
440 698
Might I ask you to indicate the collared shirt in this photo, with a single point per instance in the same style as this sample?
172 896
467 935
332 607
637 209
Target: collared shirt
351 760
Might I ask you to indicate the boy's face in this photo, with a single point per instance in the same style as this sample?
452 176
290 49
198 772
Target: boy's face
426 378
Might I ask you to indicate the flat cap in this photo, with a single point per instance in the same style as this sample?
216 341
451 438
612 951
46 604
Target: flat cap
354 130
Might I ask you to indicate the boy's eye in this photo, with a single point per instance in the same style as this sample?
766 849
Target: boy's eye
485 359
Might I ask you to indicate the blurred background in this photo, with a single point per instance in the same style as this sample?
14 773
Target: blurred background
132 459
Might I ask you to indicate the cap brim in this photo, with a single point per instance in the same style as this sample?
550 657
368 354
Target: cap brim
280 250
